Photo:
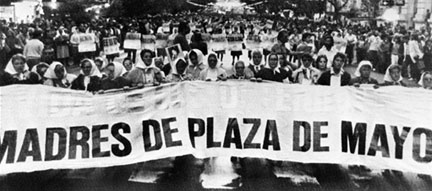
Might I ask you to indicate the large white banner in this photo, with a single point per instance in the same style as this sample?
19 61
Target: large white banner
51 128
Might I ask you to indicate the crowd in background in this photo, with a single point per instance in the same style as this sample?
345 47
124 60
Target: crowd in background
286 50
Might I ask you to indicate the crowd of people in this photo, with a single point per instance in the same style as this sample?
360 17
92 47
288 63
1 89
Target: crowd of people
301 51
281 50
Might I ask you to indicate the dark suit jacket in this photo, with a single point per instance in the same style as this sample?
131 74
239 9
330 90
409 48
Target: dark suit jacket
268 74
78 83
325 79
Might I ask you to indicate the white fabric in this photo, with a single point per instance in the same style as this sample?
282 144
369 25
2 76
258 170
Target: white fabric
94 70
11 70
361 64
388 78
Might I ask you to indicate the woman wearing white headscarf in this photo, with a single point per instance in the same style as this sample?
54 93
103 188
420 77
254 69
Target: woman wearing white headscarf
393 76
145 72
214 72
257 62
17 72
272 71
426 80
57 76
89 77
114 78
362 74
196 63
178 71
40 70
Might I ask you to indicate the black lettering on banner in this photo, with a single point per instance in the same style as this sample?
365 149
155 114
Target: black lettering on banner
307 136
97 140
248 144
271 131
317 136
192 122
416 145
74 142
168 132
49 144
379 134
31 138
157 135
358 136
8 144
399 140
232 127
210 131
127 147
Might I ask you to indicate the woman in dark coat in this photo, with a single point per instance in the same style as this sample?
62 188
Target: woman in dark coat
89 77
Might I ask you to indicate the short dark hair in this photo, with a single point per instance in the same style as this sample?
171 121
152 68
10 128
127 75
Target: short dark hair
340 55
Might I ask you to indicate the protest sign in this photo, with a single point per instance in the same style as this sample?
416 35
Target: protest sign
67 129
235 41
174 52
111 45
149 42
161 40
86 43
253 41
218 42
132 41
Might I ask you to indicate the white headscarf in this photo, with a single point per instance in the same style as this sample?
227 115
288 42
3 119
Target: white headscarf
268 63
361 64
422 78
218 65
262 63
104 62
119 69
11 69
200 56
140 64
94 70
387 77
50 73
174 64
34 69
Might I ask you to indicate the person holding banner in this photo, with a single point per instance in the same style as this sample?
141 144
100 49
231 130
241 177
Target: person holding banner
321 63
145 73
113 80
17 72
336 76
257 62
393 76
240 72
273 72
363 72
426 80
40 70
196 63
57 76
214 72
89 77
306 74
178 71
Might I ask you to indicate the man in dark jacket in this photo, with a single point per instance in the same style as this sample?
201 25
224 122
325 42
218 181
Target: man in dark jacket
336 76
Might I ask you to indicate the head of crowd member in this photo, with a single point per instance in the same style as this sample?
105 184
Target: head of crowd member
212 61
328 42
273 61
86 67
180 66
364 69
19 64
393 73
59 70
429 43
321 62
307 60
239 68
110 71
183 28
100 63
159 62
195 57
405 39
426 80
282 36
36 34
196 37
257 57
41 68
147 56
128 64
338 62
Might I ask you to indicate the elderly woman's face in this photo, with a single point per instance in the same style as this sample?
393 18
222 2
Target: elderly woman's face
98 64
59 71
181 66
212 61
86 68
193 59
110 71
395 74
365 71
427 81
18 65
273 61
147 58
128 65
257 58
239 68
